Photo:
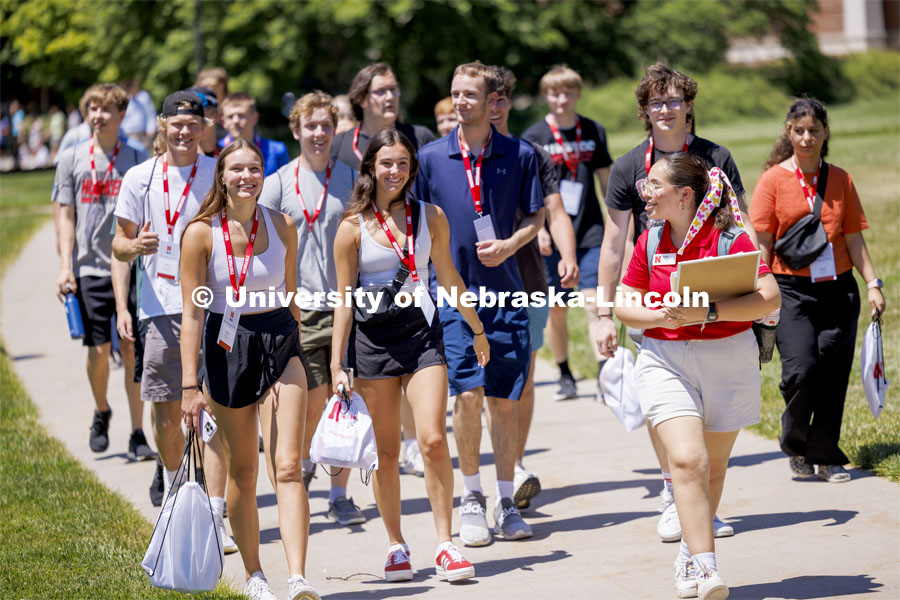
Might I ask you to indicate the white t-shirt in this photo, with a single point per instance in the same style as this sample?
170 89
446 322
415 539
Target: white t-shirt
141 198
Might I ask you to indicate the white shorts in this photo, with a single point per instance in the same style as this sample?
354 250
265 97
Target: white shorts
716 380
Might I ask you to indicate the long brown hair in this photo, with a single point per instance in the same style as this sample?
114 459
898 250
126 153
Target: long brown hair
802 107
686 170
217 196
364 188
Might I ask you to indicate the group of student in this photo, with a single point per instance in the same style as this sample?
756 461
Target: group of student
385 201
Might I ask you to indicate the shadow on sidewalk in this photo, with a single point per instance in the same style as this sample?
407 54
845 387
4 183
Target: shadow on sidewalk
786 519
808 587
503 565
381 592
749 460
585 523
550 495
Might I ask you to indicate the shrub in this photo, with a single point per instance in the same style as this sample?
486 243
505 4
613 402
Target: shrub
873 74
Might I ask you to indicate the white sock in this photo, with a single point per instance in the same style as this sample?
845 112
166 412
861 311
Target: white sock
258 574
218 505
667 480
504 489
707 559
336 492
684 550
168 478
307 465
472 483
407 443
441 547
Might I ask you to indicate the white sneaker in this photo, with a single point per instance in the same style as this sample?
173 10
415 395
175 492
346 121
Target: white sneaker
299 589
685 579
258 588
709 585
721 528
526 485
228 544
413 463
669 526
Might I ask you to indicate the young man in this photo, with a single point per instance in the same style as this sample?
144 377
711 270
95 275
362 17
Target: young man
88 180
375 96
480 179
216 79
578 147
240 118
208 141
445 116
531 268
159 197
315 191
665 100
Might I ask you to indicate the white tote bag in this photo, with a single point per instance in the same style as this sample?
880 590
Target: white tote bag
872 364
619 392
345 436
185 552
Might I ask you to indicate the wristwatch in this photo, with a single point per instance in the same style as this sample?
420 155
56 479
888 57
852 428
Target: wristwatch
875 283
712 315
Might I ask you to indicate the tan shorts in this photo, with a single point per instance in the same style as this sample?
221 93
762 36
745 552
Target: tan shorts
161 375
716 380
315 343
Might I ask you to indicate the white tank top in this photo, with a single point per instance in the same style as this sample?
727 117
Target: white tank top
378 264
266 269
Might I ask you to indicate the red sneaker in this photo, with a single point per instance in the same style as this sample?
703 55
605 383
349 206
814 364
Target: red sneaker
452 565
397 567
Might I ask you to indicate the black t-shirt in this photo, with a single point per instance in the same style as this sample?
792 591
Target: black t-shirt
342 146
622 192
588 222
528 257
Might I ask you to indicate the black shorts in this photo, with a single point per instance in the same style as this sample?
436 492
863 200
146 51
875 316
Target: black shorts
263 345
397 347
98 308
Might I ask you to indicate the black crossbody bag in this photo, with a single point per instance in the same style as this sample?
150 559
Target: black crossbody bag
804 241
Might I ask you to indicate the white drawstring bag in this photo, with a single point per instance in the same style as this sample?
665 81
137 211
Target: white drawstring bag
345 436
185 552
619 392
874 380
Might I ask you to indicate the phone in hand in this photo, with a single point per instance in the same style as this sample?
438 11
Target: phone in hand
208 427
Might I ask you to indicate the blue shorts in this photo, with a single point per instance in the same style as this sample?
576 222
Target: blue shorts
588 259
506 372
537 320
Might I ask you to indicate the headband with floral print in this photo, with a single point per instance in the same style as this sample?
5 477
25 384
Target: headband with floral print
718 182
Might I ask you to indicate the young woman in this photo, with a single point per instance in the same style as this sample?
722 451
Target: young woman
698 384
405 353
817 334
233 244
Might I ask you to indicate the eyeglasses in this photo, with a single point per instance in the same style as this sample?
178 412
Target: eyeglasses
645 188
382 92
671 103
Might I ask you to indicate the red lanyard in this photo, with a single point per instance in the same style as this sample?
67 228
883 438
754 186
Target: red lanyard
311 220
356 151
229 253
410 243
809 191
649 156
554 129
171 219
474 179
98 191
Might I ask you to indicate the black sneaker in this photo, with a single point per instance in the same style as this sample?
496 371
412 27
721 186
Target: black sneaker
138 449
158 486
567 389
308 476
100 431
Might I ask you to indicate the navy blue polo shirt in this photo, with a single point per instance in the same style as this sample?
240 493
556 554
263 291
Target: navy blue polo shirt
509 181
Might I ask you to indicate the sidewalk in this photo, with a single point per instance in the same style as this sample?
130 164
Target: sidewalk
594 523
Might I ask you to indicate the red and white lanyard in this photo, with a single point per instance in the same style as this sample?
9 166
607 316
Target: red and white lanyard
473 178
310 221
98 191
809 191
557 136
229 253
410 242
356 151
171 219
648 158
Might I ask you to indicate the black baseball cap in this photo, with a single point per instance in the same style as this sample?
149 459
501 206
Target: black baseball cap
206 95
172 104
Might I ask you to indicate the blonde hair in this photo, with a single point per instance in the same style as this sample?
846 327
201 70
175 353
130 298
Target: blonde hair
103 94
560 77
238 98
310 102
477 69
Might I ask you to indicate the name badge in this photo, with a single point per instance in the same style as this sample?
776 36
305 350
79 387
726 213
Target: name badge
571 192
822 269
663 260
484 229
425 301
228 329
167 260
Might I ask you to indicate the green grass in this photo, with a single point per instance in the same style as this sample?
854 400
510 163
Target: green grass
63 534
865 141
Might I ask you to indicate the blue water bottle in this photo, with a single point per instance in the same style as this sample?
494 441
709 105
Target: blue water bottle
73 314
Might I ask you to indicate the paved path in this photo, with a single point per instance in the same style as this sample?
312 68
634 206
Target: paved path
595 523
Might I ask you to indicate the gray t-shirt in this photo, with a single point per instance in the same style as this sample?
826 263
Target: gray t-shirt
94 222
315 251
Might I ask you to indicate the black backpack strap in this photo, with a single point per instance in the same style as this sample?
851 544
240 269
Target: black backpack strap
821 184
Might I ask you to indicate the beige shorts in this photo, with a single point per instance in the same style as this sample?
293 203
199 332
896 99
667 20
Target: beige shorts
161 376
716 380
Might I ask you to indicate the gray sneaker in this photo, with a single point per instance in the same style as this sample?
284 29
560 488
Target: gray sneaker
800 467
509 524
832 473
344 512
473 527
567 389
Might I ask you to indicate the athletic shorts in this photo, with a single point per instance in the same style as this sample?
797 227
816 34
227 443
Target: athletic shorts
98 308
161 358
588 259
537 321
506 372
315 343
716 380
396 347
